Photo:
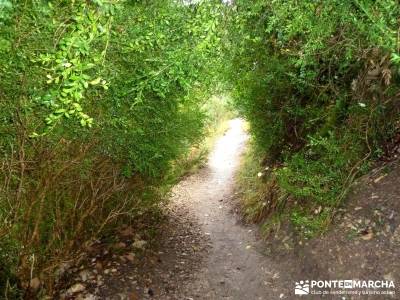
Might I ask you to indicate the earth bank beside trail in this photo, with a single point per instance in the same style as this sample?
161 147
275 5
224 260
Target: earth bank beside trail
361 244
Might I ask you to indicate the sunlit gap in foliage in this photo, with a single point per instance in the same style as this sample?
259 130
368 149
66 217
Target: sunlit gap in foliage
223 157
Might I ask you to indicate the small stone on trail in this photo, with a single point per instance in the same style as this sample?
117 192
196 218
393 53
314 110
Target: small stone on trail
84 275
367 235
318 210
76 288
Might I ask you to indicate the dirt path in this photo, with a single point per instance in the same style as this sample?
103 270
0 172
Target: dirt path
203 252
234 268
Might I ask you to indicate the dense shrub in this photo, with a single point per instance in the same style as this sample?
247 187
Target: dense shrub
102 101
97 101
319 82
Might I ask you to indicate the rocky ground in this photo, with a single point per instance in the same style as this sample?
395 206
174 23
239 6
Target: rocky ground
203 252
362 243
134 269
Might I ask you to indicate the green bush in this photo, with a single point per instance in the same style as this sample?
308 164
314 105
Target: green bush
317 83
98 100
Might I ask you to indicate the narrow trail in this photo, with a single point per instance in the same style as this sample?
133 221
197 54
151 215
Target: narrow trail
204 252
234 268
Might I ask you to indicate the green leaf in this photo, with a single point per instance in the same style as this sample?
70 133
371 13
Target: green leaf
95 81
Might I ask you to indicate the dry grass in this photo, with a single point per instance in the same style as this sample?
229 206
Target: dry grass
57 200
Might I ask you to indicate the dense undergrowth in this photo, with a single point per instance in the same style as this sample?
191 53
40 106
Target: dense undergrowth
101 105
318 82
104 105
